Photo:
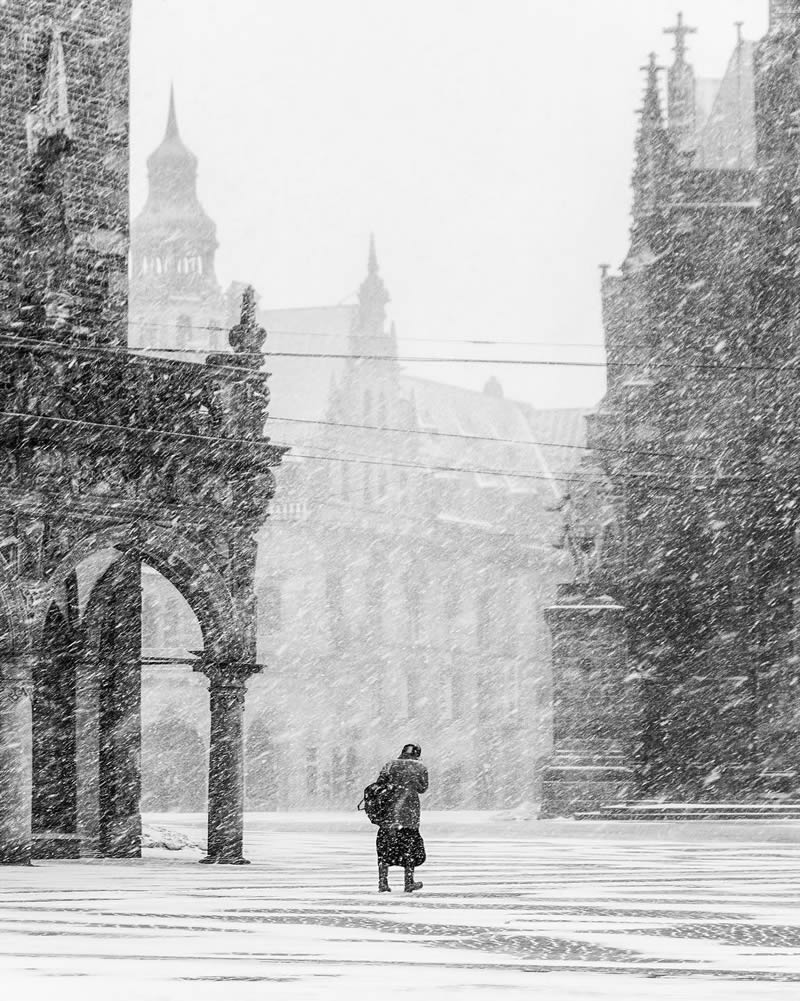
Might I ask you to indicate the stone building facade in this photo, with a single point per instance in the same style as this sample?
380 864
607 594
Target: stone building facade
110 463
676 650
401 576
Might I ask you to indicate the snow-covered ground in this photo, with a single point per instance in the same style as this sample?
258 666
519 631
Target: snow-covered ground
548 911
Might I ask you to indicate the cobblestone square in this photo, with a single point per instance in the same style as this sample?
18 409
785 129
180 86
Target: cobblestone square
692 911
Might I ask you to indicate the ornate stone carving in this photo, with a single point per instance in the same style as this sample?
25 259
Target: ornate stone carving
16 692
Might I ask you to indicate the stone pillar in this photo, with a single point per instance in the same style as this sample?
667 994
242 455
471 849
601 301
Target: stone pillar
87 755
120 713
226 761
595 706
16 772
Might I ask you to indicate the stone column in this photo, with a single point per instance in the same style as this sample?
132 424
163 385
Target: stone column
16 773
595 706
87 755
226 760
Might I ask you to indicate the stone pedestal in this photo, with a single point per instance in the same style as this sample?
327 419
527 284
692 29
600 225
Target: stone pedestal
595 706
16 778
226 761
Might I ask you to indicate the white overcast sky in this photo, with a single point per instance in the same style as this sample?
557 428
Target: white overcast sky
487 143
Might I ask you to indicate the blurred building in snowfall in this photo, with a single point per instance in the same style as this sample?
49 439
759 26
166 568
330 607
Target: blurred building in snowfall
403 572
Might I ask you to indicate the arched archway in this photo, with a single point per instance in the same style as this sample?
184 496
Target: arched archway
96 692
180 561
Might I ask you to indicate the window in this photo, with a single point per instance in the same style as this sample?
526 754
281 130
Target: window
452 601
271 610
414 605
334 594
351 768
183 331
375 597
367 485
409 694
312 771
382 483
483 619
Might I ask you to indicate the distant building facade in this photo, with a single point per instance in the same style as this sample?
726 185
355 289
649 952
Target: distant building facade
403 571
676 650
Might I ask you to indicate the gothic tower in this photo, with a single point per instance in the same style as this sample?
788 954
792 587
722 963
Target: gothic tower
64 170
174 287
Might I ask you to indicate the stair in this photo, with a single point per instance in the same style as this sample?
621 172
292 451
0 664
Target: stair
651 810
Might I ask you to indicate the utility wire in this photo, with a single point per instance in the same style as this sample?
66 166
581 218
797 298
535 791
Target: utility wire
484 438
346 456
327 333
153 352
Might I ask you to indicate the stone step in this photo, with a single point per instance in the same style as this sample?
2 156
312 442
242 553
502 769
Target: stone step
652 811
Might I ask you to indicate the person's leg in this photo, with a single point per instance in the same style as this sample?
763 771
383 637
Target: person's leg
411 884
409 849
383 877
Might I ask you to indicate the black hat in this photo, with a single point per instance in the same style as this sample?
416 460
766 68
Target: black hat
411 751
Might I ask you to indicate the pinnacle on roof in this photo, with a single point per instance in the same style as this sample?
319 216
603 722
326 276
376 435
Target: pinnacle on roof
372 299
247 337
652 149
681 91
680 31
50 118
172 117
172 152
372 265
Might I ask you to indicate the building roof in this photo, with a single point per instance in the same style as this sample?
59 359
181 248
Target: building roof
726 136
524 449
539 444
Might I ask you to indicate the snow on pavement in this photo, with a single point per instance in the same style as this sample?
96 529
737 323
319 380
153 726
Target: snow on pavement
578 912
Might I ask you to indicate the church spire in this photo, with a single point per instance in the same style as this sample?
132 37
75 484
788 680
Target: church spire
172 116
372 299
681 89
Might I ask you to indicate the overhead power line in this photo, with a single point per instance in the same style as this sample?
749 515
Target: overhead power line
596 346
789 367
423 432
348 457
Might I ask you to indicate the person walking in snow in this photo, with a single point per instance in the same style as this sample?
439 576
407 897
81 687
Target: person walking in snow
399 841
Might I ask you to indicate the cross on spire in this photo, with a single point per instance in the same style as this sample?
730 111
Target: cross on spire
680 31
652 68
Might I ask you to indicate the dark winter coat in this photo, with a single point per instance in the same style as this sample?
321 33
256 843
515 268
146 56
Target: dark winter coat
409 777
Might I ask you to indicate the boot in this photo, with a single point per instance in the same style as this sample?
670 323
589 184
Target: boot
383 878
411 885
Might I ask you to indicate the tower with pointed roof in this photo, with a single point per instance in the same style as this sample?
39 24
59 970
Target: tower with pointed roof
174 287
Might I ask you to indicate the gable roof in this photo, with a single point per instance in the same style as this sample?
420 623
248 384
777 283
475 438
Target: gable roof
726 136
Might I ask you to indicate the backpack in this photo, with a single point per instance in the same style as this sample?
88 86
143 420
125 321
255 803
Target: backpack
378 802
